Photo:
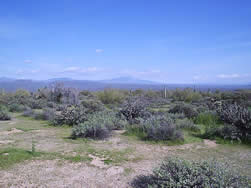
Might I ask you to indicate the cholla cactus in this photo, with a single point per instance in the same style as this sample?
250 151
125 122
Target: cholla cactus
237 116
133 108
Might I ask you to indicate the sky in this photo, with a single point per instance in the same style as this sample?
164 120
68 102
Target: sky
169 41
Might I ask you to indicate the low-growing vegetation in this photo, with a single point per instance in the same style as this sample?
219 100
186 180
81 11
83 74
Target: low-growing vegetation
180 173
121 120
4 114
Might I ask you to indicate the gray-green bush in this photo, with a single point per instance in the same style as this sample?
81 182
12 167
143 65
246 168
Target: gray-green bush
188 110
133 108
207 118
98 126
238 116
17 107
160 128
70 115
4 115
187 124
176 172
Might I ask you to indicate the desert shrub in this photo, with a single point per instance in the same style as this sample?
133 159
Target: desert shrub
118 121
45 114
90 129
92 105
176 116
237 116
3 108
4 115
176 172
48 114
17 107
207 118
201 109
99 125
226 131
187 95
133 108
111 96
50 105
173 116
37 103
38 115
70 115
28 113
188 110
187 124
160 128
95 127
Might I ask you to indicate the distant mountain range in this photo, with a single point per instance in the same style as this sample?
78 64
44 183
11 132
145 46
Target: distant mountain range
11 84
129 80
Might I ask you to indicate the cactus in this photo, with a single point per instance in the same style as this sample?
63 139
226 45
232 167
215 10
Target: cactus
237 116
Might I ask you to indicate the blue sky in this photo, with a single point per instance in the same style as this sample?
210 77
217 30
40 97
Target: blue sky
170 41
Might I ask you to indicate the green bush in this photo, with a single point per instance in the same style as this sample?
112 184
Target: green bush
98 126
17 107
92 105
160 128
4 115
28 113
207 118
187 124
37 103
176 116
188 110
111 96
180 173
187 95
70 115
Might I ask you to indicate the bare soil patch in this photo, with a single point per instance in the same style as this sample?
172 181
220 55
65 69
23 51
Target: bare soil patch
12 131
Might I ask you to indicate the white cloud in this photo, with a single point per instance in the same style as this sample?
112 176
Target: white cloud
26 72
28 61
99 50
141 73
72 69
228 76
81 70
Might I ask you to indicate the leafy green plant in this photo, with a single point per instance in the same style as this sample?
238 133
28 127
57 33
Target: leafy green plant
176 172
